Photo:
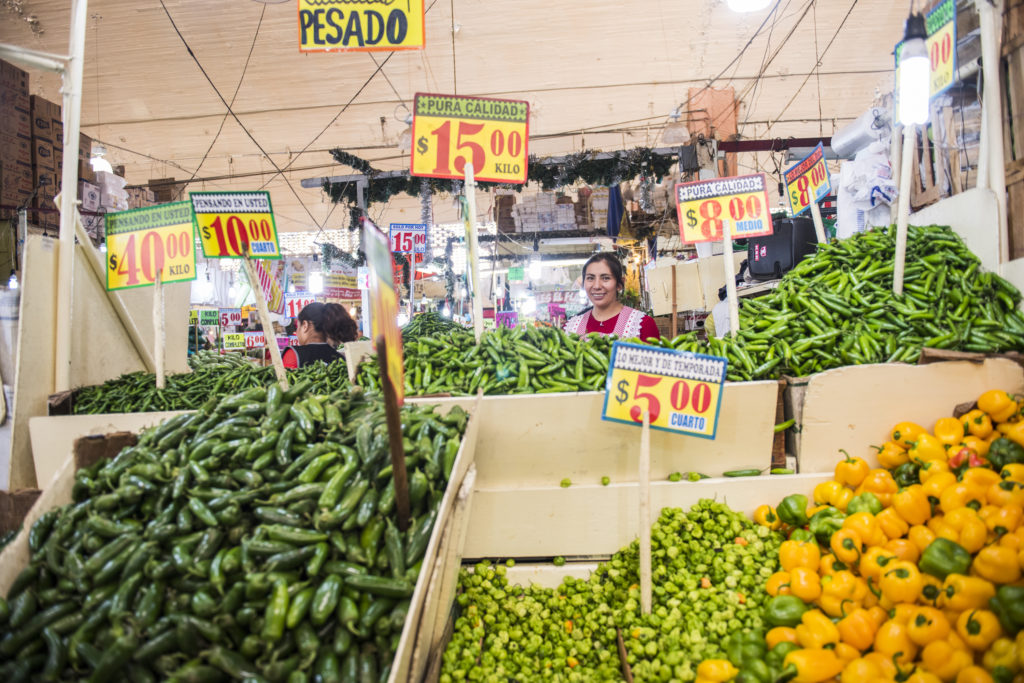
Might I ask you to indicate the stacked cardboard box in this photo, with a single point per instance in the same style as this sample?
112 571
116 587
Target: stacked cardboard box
503 206
166 190
44 164
15 138
140 197
599 208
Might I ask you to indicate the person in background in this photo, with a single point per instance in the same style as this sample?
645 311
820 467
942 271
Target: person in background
319 328
603 282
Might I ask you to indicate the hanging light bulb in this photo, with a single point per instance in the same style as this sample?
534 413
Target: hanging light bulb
747 5
535 269
914 70
12 282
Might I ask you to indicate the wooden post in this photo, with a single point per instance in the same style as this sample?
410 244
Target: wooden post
268 325
158 329
645 515
903 210
730 279
675 316
819 227
394 438
474 254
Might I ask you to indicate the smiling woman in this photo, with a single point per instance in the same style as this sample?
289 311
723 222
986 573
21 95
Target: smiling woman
603 282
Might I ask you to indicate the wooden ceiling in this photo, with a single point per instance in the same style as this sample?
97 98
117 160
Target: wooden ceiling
598 75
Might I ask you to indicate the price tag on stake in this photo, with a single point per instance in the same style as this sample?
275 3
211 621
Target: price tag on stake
294 303
681 391
704 204
407 238
941 46
449 131
144 242
255 340
231 224
808 181
209 317
193 316
230 316
233 341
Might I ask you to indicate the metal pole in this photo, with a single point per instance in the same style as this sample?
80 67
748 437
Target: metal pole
903 210
69 195
474 254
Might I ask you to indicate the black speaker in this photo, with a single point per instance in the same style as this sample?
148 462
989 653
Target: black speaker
772 255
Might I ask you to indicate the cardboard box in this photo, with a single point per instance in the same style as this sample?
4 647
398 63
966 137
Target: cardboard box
84 147
43 113
15 120
85 171
58 134
16 149
165 189
697 283
89 195
13 78
42 155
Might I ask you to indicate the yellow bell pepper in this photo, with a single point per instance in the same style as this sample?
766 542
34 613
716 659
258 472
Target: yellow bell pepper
944 660
979 628
851 471
765 515
816 630
912 505
942 529
927 624
949 430
927 448
875 561
805 584
921 536
842 498
931 590
976 444
861 670
880 483
892 640
998 404
931 468
891 524
858 629
846 653
961 593
901 582
847 546
1014 431
923 676
813 666
891 455
937 483
903 549
1002 652
974 674
960 494
828 564
799 554
980 478
977 423
906 433
1014 471
840 593
971 530
824 492
780 634
866 526
777 584
884 664
1006 492
717 670
997 563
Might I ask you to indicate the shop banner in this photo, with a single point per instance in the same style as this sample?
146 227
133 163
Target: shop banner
448 131
704 204
340 283
294 303
360 25
681 391
255 340
297 274
230 316
233 224
144 242
384 303
407 238
233 341
270 277
808 181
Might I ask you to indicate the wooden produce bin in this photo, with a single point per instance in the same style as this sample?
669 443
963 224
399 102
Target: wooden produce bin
443 553
853 407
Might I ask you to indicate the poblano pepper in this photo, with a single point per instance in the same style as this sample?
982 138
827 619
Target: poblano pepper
784 610
793 509
1008 605
943 557
1002 452
907 474
826 522
864 502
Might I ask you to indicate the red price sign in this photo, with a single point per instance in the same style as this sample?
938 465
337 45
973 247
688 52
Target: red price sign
235 224
255 340
294 303
230 316
147 241
705 205
449 131
681 392
808 181
407 238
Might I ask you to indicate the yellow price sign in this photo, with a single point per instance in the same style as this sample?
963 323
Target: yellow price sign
942 56
233 341
360 25
705 204
235 224
193 316
147 241
449 131
384 304
808 181
681 391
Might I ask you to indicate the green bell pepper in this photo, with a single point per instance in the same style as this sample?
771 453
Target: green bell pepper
1008 605
777 655
826 522
756 671
864 502
793 509
743 647
1002 452
784 610
907 474
801 535
943 557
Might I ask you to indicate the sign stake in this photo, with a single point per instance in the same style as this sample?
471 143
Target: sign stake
675 314
158 329
644 481
268 325
730 279
394 437
903 211
819 226
474 253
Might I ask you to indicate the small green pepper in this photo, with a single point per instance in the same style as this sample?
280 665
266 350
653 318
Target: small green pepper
793 509
943 557
864 502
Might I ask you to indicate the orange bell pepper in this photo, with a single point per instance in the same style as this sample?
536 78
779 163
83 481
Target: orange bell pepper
904 549
906 433
777 584
858 629
805 584
892 640
927 448
880 483
816 630
891 455
901 582
891 524
875 561
799 554
961 593
997 564
979 628
847 546
780 634
851 471
998 404
944 660
977 423
927 624
912 504
765 515
948 430
866 526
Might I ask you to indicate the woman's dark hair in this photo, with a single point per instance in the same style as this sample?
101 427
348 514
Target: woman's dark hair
330 320
614 265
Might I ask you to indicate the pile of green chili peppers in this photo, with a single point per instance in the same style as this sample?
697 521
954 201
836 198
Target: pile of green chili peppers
255 538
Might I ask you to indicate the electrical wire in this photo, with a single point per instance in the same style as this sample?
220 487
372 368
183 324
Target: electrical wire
223 120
